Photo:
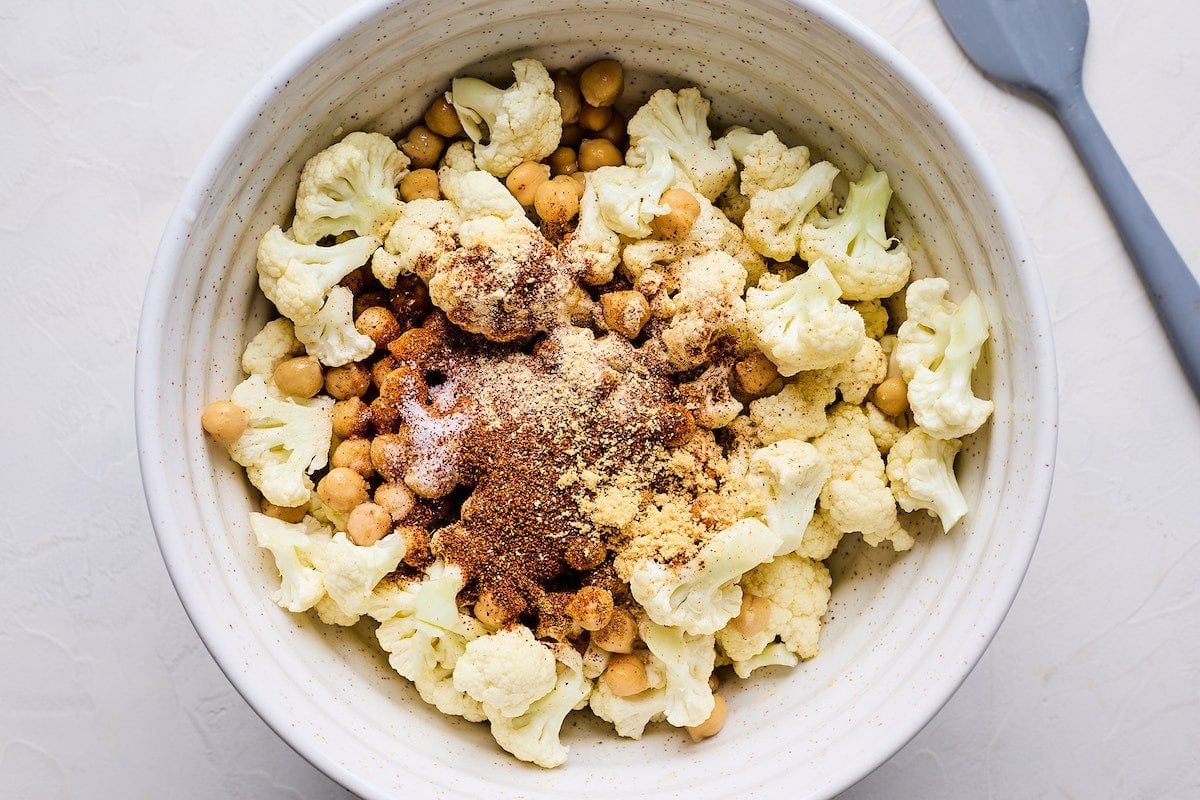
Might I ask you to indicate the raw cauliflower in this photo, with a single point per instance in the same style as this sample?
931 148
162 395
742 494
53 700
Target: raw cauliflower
506 671
593 247
796 590
508 126
937 348
331 336
687 662
800 324
787 477
293 547
702 595
920 469
767 163
867 263
475 192
351 572
857 496
680 122
534 735
630 195
775 217
286 438
298 277
270 347
425 230
709 302
350 186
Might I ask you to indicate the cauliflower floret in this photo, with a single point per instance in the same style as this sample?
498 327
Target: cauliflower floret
286 438
796 592
787 477
506 671
702 595
330 336
630 195
875 317
921 471
631 714
774 220
680 122
474 192
425 230
351 572
767 163
885 430
270 347
350 186
297 277
504 281
533 736
687 662
856 495
293 546
821 537
708 303
521 123
866 262
774 654
799 324
593 247
937 348
426 636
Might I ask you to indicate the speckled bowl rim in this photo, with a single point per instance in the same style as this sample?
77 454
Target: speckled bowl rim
150 434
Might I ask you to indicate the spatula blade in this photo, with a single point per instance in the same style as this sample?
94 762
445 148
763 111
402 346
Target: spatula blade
1033 44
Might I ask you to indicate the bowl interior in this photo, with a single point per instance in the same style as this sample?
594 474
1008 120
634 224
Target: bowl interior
902 631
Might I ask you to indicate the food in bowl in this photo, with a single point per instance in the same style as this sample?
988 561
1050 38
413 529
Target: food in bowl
588 403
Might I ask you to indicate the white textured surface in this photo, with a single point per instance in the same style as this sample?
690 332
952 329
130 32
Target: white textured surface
1091 687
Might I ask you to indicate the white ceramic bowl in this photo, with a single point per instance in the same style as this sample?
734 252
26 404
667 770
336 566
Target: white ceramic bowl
902 632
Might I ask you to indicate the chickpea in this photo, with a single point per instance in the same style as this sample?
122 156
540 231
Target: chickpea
626 675
342 489
381 368
379 324
591 607
753 616
496 609
583 553
442 119
355 454
754 373
423 146
351 380
420 184
594 118
619 634
367 524
300 377
711 726
572 135
684 211
625 312
292 514
525 179
351 418
416 546
225 421
601 83
566 92
596 153
891 396
563 161
396 498
614 131
557 200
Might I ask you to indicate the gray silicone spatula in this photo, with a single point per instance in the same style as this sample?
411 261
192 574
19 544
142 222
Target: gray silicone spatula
1037 45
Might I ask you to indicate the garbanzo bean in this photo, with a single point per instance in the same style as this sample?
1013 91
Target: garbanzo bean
351 380
300 377
685 210
423 146
711 726
563 161
602 82
525 179
566 92
367 524
591 607
619 634
378 323
614 131
754 373
626 675
351 418
594 118
753 616
557 200
596 153
342 489
442 119
420 184
291 514
225 421
355 454
891 396
396 498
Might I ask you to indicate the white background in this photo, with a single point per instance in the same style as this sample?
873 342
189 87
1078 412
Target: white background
1090 689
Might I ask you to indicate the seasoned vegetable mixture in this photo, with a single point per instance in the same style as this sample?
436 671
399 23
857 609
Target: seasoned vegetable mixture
574 408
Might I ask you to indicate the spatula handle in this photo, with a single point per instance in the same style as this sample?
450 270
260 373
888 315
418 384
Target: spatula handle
1171 285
